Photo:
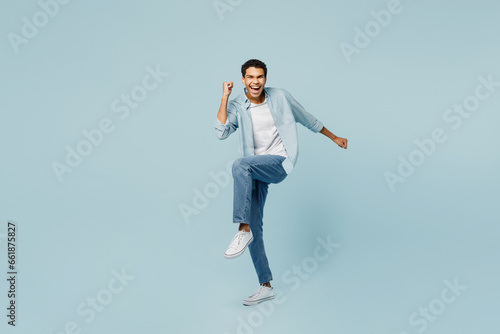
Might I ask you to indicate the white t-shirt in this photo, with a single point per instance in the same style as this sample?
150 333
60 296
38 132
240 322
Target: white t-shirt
266 139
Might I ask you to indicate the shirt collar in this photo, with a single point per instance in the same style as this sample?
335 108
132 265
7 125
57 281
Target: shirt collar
245 99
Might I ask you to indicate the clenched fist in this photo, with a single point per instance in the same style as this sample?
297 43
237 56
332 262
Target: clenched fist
342 142
227 87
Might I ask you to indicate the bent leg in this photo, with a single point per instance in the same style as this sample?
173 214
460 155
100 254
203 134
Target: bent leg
265 168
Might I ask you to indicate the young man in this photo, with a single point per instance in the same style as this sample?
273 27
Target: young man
266 117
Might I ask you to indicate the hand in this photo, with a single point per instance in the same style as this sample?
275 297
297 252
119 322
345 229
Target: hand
227 87
342 142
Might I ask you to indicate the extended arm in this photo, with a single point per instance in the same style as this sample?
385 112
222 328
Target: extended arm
301 115
311 122
342 142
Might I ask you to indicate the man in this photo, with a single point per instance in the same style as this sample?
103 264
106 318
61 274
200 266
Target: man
268 135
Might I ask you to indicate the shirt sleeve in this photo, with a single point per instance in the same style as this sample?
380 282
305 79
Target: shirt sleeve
301 115
223 130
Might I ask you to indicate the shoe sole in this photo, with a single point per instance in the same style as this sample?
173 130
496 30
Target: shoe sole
240 252
250 303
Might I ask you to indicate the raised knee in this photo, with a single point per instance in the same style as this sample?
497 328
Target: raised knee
239 164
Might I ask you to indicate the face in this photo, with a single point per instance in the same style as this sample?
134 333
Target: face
254 81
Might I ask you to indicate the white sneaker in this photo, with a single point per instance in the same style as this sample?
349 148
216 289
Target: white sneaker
262 294
238 245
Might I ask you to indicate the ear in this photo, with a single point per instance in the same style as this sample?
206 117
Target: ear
243 80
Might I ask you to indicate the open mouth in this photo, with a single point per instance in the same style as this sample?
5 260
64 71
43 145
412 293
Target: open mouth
255 89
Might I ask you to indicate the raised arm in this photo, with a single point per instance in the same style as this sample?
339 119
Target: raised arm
226 122
227 87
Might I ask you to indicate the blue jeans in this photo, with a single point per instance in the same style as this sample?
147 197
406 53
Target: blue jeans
252 175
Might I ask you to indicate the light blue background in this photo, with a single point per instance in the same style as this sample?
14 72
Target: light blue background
120 207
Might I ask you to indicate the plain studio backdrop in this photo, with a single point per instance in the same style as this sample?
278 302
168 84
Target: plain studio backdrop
122 194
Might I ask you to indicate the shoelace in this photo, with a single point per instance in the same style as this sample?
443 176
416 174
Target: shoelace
238 236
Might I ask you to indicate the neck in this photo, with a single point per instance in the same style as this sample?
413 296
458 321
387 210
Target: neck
258 100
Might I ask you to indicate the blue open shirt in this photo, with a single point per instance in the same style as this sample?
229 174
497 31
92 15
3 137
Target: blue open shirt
286 111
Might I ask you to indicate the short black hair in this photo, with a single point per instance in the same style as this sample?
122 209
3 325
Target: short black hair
253 63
